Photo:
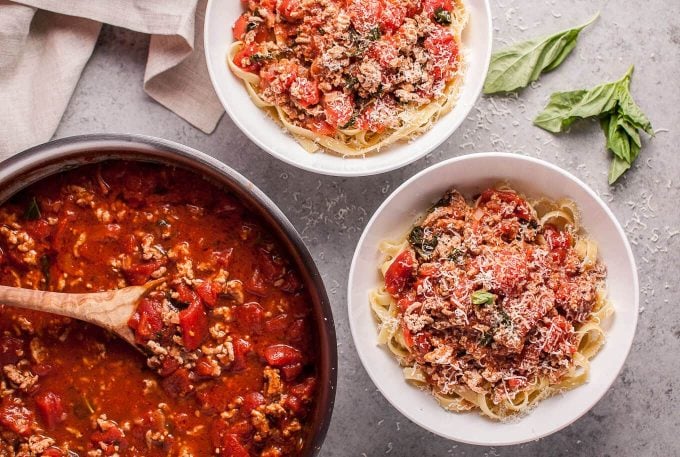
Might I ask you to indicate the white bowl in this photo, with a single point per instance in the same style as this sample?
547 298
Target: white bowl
267 134
471 174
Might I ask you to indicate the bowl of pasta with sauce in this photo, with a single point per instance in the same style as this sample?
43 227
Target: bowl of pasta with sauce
493 298
348 88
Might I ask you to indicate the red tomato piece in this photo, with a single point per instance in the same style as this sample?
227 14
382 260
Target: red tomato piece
244 58
255 284
290 9
249 317
443 50
400 272
305 389
52 452
378 115
51 408
271 265
292 371
240 26
241 350
521 208
432 6
365 14
251 401
295 405
278 355
178 384
193 320
147 320
320 127
392 15
509 271
140 273
208 291
304 92
230 446
277 325
297 330
222 258
17 419
38 229
385 52
558 241
338 107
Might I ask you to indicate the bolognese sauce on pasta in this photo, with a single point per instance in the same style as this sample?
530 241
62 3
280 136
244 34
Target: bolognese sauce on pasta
351 76
493 305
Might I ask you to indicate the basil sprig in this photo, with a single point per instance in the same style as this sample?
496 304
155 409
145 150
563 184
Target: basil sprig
522 63
620 118
483 297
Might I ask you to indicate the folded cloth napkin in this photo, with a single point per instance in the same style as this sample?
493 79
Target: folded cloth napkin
45 44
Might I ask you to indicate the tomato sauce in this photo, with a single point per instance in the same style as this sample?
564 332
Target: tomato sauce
231 362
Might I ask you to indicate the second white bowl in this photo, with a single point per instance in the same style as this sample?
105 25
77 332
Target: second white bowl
471 174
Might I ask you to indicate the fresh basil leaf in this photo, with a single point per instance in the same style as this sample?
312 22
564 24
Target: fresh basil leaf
632 111
422 245
565 108
617 168
32 212
520 64
618 140
442 16
374 34
483 297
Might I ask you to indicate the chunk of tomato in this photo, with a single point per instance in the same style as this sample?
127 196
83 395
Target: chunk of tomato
208 291
559 242
249 317
16 418
193 320
241 350
400 272
320 127
240 26
147 320
338 107
291 10
443 50
279 355
230 446
432 6
392 15
304 92
51 408
365 15
244 58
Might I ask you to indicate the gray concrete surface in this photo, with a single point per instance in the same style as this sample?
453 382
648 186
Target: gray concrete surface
639 416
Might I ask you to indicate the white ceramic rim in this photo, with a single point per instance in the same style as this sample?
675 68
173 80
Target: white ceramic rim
461 110
460 161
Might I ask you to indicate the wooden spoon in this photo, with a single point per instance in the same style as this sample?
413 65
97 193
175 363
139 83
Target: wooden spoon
109 310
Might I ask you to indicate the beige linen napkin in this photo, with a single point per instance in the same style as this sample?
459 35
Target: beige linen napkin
45 44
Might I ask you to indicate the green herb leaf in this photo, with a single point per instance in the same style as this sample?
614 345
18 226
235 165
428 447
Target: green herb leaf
374 34
617 168
32 212
565 108
442 16
620 119
483 297
422 245
520 64
455 255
